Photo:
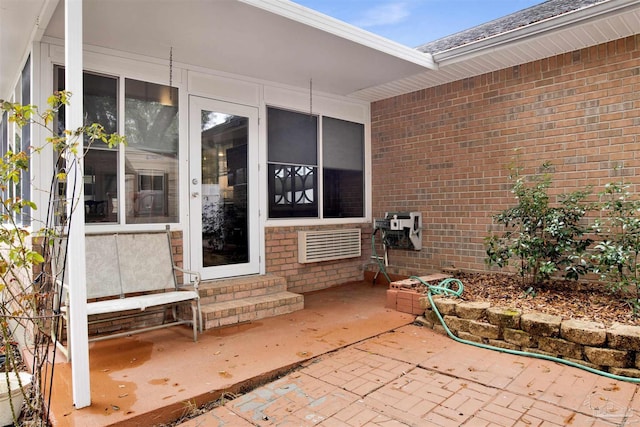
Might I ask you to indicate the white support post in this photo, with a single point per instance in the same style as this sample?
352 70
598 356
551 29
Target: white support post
76 272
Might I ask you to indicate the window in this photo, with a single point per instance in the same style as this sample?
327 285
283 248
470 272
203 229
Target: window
343 168
23 189
138 180
151 156
292 156
293 167
15 139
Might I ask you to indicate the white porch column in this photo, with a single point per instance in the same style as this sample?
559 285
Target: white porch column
76 274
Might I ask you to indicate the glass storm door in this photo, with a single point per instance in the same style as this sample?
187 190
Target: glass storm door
223 186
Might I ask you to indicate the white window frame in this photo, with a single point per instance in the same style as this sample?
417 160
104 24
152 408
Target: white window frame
108 63
321 105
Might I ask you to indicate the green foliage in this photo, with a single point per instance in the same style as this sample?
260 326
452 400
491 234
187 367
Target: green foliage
24 296
616 254
541 238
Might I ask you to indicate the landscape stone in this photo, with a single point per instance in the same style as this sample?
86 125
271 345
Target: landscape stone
518 337
583 332
585 363
439 329
457 324
607 356
484 330
504 317
626 372
470 337
424 303
539 324
446 305
538 351
582 342
560 347
624 337
503 344
432 317
473 310
422 321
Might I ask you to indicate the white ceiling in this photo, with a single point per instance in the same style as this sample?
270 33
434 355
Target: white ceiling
18 21
280 41
252 38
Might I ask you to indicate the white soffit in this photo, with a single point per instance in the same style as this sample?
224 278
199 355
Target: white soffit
270 40
591 26
339 28
20 22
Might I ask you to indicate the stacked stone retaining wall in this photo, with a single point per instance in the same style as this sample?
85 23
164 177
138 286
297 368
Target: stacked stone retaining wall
614 349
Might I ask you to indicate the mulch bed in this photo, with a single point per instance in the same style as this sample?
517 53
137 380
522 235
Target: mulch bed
568 299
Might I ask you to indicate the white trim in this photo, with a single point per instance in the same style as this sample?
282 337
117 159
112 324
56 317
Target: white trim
311 18
138 68
42 163
521 34
255 233
79 329
214 84
105 60
44 17
183 172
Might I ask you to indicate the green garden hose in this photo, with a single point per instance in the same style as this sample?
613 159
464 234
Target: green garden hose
445 288
381 267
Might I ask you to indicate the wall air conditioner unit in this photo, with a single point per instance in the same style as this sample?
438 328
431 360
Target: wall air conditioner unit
328 245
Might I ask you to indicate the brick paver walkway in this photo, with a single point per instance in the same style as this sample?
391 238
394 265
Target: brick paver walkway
416 377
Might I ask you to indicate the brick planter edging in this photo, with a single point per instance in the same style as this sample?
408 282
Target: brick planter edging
401 296
615 349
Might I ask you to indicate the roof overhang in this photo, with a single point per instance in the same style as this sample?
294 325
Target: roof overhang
271 40
601 23
280 41
21 22
582 24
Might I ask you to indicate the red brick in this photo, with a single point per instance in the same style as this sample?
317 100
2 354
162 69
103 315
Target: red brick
444 151
392 296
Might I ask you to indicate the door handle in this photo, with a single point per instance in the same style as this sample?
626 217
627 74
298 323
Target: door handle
195 194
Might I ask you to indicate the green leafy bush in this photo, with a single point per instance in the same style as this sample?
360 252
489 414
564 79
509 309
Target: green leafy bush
616 253
541 239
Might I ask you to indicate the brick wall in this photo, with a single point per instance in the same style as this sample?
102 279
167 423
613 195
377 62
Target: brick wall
282 259
445 151
177 253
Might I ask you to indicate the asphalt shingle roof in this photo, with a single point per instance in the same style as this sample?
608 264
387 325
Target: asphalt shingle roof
522 18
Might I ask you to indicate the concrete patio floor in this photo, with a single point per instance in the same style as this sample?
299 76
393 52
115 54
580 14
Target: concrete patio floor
413 376
356 364
156 377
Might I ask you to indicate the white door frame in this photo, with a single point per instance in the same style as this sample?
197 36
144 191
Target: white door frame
253 266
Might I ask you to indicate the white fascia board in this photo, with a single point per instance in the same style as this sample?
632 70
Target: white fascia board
46 12
23 39
473 49
311 18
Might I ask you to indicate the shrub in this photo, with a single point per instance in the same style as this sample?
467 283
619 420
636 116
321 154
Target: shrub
541 239
26 303
616 253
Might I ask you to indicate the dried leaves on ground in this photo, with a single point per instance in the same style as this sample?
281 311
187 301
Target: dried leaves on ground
568 299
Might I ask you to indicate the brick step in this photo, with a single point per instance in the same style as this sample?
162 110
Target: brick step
214 291
250 308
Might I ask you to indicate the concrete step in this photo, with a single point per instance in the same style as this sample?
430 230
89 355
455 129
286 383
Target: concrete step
214 291
250 308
